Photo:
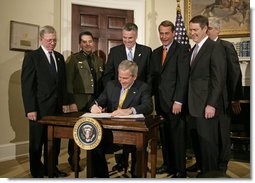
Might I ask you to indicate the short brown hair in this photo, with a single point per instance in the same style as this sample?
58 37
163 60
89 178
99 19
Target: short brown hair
167 23
201 20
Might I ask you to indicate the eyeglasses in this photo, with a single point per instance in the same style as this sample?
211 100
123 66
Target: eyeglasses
51 40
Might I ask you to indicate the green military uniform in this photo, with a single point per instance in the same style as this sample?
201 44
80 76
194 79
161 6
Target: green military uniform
84 78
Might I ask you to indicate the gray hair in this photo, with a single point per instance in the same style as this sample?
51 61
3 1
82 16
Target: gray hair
47 29
214 22
129 65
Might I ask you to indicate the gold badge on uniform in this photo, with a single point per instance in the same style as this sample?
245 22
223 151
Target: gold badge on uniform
87 133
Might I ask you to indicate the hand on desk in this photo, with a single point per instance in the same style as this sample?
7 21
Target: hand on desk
122 112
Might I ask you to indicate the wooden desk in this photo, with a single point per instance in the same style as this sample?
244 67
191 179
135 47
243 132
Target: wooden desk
125 131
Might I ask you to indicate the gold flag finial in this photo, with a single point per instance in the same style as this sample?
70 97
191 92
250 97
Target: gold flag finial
178 5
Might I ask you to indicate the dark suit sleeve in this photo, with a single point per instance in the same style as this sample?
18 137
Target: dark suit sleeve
182 75
234 75
27 84
218 71
102 100
145 106
63 88
148 59
109 69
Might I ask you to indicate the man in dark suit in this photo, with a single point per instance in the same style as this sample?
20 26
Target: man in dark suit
231 96
130 50
169 81
234 92
43 83
124 96
84 71
207 80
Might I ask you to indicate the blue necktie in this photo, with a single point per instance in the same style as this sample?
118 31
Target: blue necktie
129 56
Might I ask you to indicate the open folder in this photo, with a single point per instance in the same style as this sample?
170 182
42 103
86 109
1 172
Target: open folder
108 115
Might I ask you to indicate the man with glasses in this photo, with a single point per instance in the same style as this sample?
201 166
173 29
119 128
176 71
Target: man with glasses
43 82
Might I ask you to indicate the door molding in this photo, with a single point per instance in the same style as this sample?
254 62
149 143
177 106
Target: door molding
66 17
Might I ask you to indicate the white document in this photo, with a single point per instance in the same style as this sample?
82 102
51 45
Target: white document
108 115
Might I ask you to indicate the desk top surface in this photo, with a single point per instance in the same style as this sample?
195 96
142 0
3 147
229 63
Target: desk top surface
70 119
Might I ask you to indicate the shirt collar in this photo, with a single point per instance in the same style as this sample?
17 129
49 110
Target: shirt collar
168 46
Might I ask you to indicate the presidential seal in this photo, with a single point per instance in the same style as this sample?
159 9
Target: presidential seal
87 133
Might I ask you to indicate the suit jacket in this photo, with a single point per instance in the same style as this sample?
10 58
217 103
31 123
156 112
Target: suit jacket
138 97
80 82
118 54
234 75
207 79
169 82
42 90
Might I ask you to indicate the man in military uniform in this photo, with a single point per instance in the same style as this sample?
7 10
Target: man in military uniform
84 72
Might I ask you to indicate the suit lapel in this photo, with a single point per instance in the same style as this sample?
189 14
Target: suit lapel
199 54
169 55
45 60
138 53
132 92
116 96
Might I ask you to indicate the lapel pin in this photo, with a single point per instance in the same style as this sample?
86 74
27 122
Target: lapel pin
139 54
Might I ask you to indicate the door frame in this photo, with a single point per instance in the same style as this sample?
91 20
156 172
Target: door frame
66 17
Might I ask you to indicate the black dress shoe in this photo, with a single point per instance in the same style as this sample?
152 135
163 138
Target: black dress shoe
193 168
179 175
59 173
163 169
122 163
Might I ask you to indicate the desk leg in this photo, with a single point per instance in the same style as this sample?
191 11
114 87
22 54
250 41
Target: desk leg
89 164
50 151
140 162
141 157
154 152
76 172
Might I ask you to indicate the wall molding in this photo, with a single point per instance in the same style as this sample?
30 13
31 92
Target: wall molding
13 150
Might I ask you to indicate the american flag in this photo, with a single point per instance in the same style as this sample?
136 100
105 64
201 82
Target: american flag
180 31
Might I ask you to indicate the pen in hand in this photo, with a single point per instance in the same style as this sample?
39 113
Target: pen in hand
96 108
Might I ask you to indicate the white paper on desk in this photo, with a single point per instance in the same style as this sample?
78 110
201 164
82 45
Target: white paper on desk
108 115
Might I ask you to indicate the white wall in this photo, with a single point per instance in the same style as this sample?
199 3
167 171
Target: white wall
14 126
